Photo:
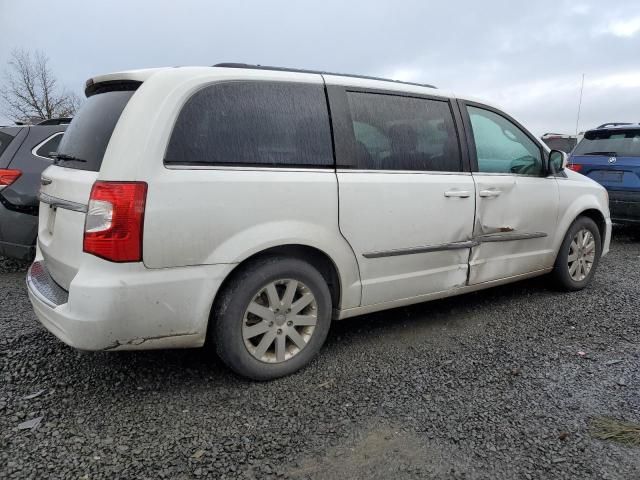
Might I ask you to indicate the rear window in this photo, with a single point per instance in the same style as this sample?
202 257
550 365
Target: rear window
5 140
85 141
612 143
254 124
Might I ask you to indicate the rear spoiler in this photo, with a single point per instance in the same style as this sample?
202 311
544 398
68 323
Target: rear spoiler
93 88
126 80
56 121
593 134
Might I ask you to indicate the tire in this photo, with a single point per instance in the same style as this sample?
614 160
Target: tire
566 277
240 335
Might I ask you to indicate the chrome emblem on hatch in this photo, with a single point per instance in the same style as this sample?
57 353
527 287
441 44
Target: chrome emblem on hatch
45 181
612 160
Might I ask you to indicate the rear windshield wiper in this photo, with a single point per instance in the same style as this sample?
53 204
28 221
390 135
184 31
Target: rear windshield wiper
67 158
606 154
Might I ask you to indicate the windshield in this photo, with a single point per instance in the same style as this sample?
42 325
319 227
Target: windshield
85 141
625 143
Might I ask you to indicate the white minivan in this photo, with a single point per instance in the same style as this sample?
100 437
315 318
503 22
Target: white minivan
250 206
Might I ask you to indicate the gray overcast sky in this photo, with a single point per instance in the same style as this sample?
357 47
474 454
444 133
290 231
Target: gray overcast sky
526 56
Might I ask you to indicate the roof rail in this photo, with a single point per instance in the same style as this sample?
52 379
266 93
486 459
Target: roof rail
56 121
614 124
320 72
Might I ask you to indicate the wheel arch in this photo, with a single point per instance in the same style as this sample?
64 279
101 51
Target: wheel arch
312 255
597 216
594 214
575 204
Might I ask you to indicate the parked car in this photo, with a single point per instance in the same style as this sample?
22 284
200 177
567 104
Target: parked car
25 151
252 206
559 141
610 155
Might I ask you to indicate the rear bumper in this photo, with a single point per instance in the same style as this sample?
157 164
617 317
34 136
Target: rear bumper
624 206
18 233
127 306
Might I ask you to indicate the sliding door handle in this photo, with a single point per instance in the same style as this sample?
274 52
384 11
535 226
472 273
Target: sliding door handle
457 193
491 193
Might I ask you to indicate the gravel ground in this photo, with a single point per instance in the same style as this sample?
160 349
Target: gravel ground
488 385
9 265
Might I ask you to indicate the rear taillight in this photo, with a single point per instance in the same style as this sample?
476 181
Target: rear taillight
115 219
576 167
7 177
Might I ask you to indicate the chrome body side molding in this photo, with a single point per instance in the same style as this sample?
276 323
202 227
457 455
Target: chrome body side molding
490 237
509 236
425 249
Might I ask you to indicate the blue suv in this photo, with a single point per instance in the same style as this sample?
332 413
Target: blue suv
610 155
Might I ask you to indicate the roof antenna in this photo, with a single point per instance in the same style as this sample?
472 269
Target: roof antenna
580 104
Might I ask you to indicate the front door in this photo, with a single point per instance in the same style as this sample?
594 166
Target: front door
516 199
406 205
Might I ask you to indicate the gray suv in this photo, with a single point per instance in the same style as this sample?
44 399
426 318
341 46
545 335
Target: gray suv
25 151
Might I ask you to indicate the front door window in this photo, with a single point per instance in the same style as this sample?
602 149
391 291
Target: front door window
502 147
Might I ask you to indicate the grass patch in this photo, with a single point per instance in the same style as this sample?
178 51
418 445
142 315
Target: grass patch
606 428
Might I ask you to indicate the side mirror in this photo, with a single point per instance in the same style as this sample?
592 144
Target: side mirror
557 161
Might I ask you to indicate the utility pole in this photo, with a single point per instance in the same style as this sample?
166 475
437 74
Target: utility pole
580 104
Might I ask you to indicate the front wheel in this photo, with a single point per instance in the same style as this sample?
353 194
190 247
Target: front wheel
272 318
578 256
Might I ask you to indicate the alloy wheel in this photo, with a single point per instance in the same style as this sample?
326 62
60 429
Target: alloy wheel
582 254
279 321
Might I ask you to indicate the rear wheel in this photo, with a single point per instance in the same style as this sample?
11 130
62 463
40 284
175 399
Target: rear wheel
272 318
579 255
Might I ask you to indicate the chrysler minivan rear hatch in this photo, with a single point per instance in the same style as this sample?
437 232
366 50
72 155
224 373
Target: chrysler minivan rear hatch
66 185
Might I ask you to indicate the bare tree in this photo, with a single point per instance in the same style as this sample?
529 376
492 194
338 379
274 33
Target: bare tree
31 91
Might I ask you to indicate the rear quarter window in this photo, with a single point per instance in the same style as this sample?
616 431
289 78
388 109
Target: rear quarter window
5 140
49 146
253 124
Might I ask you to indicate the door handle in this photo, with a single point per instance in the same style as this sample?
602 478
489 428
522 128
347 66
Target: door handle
491 193
457 193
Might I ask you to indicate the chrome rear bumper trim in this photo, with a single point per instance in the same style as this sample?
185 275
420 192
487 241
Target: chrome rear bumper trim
64 204
44 287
